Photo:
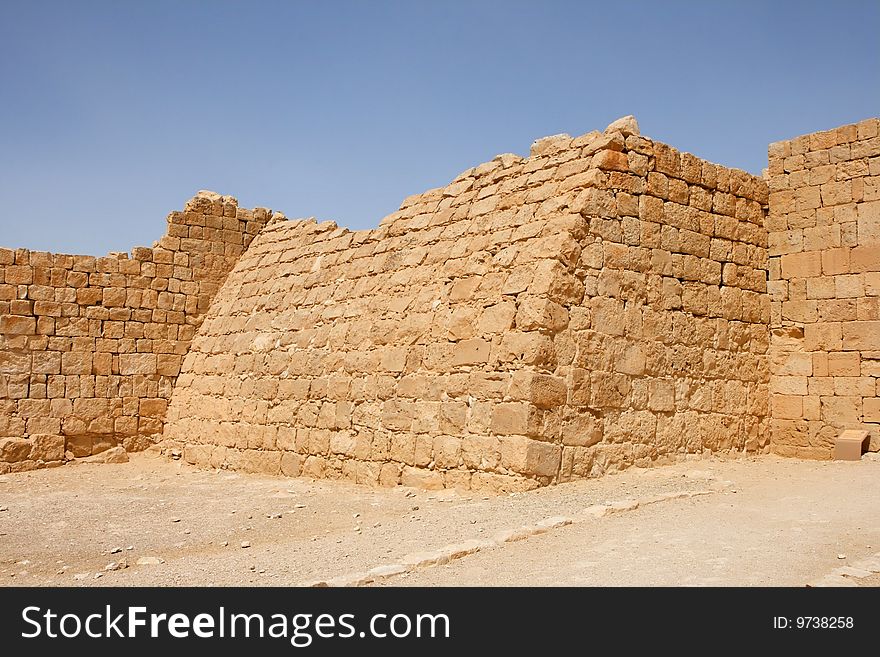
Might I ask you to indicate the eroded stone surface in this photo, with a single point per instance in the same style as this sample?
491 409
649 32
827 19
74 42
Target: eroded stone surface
824 282
537 320
90 348
602 303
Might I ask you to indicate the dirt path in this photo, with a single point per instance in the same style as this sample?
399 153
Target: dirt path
751 521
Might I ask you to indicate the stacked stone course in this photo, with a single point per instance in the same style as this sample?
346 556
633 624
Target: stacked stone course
598 304
90 347
824 237
607 301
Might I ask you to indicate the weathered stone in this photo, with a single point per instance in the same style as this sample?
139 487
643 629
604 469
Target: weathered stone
625 125
112 455
13 450
608 294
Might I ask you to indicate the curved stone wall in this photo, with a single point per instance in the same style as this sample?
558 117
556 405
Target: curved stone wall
597 304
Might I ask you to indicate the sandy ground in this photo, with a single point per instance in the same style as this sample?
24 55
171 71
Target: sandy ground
756 521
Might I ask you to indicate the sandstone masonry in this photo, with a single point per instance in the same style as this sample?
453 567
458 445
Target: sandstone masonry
598 304
602 303
90 348
824 236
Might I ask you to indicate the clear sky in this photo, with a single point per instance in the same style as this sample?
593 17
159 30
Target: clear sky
114 113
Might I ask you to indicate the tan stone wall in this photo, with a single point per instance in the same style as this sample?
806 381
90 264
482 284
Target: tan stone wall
601 303
824 239
598 304
666 354
90 348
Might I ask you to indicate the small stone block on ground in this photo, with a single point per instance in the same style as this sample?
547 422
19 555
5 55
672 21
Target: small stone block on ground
849 444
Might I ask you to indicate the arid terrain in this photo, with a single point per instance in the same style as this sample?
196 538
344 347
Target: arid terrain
151 521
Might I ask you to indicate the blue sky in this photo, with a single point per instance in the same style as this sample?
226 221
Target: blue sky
112 114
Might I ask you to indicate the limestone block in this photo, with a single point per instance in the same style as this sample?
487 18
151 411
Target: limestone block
823 336
787 406
801 265
137 364
625 125
847 363
871 409
153 407
868 224
470 352
530 457
18 325
14 450
661 395
582 430
788 385
613 141
865 258
841 411
536 313
542 390
47 447
515 418
549 145
608 390
15 363
528 347
609 160
861 335
421 478
76 362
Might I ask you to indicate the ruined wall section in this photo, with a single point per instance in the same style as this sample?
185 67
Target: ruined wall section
594 305
405 354
667 353
824 237
90 347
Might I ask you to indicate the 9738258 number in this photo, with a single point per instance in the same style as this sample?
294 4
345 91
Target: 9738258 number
823 622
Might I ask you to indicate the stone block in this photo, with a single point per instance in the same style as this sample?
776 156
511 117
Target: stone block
536 313
823 336
499 317
514 418
14 450
530 457
661 395
838 261
871 409
609 160
841 411
421 478
787 406
138 364
471 352
865 258
861 335
868 224
788 385
542 390
153 407
15 363
18 325
845 363
802 265
76 362
47 447
850 445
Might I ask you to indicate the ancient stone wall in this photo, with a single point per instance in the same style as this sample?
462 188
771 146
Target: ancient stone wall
602 303
824 237
90 347
598 304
